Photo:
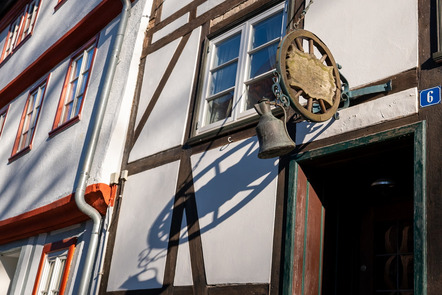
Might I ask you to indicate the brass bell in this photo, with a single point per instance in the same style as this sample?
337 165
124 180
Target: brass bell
274 140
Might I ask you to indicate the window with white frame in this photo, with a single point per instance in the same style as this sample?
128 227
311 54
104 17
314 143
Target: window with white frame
74 90
52 273
29 118
54 268
239 69
21 27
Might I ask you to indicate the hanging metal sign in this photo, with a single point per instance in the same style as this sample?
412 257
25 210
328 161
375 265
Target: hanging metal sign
429 97
309 75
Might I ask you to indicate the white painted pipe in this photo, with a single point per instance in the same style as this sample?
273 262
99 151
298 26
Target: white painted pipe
89 152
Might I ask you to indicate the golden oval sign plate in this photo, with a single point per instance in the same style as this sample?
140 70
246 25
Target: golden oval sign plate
309 75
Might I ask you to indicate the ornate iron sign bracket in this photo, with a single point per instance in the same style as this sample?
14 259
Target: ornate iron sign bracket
348 95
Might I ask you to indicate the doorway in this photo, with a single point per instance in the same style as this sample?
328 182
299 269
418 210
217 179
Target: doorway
372 192
367 194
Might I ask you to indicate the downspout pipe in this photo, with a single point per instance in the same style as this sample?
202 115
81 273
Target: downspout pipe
89 150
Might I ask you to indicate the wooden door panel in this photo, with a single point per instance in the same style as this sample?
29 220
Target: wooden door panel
306 239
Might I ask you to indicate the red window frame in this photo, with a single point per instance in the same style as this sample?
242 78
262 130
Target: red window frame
29 119
59 4
69 244
75 87
21 28
3 114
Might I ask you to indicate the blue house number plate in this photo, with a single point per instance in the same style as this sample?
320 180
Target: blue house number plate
430 96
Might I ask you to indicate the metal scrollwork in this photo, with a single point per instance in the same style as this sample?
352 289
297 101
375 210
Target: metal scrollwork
281 98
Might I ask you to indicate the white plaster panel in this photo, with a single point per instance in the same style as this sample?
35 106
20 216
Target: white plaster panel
206 6
165 127
370 39
183 271
139 255
170 28
155 66
172 6
384 109
235 196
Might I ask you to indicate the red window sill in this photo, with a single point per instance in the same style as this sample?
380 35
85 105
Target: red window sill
19 154
59 4
64 126
5 59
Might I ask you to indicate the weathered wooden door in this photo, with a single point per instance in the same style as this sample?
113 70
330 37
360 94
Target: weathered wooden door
304 236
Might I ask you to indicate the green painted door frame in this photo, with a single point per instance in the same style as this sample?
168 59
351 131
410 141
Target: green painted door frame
418 131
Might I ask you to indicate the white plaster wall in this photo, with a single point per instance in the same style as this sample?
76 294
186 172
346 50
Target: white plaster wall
179 22
108 156
165 127
370 39
235 196
172 6
49 27
183 271
139 254
374 112
206 6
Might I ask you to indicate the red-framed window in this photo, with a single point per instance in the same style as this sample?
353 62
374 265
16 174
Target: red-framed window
21 28
53 271
75 85
29 119
3 113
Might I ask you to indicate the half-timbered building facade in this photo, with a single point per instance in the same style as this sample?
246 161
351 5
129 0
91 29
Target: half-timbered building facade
352 210
183 204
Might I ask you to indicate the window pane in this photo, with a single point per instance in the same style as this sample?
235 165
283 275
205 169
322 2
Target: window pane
83 84
223 78
267 30
23 141
257 90
57 280
78 105
219 108
227 50
67 112
72 90
90 54
77 68
263 60
49 272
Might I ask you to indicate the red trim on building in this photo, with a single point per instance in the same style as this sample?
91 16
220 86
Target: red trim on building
56 215
89 26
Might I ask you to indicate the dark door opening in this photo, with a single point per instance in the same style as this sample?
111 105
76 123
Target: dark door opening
367 194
